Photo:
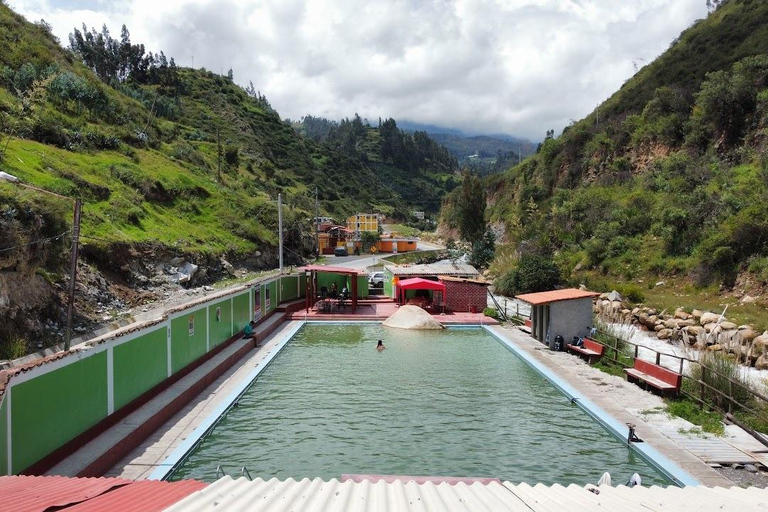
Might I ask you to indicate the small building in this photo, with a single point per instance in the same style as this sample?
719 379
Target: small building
566 313
396 245
418 215
430 271
465 294
363 222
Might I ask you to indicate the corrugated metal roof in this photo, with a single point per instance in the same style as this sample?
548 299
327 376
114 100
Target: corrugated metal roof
141 496
34 493
434 269
276 495
331 270
555 295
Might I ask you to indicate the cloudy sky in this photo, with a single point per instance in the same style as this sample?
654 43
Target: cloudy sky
486 66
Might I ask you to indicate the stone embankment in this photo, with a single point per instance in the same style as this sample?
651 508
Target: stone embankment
702 330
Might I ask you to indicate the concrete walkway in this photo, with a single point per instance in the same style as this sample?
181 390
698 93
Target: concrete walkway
626 402
147 457
142 460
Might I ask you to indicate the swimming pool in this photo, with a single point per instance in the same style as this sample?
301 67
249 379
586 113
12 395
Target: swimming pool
450 403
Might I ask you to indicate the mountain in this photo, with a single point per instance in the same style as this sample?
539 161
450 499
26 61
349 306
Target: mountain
484 153
670 183
172 164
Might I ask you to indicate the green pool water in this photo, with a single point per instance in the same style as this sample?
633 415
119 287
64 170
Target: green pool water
449 403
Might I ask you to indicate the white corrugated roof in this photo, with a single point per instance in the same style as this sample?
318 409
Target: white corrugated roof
434 269
318 495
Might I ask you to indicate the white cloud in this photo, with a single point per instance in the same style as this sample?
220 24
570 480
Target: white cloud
515 66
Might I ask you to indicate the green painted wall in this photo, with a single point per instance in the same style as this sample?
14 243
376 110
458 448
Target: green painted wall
185 348
241 308
272 287
289 288
55 407
3 439
302 285
138 365
388 288
362 286
325 279
221 324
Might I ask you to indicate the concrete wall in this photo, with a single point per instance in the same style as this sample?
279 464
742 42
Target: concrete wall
570 318
49 405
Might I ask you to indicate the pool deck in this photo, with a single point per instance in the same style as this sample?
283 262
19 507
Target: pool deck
625 402
378 311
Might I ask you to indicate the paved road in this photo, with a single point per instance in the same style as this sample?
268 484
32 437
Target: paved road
364 261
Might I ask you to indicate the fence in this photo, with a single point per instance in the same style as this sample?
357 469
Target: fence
703 383
516 311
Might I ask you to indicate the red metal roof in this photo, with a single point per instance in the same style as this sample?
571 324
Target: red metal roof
141 496
418 283
540 298
37 493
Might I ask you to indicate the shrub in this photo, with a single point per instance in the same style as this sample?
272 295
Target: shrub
491 312
631 292
726 368
533 274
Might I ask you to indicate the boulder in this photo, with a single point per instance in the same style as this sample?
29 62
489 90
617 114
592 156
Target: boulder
747 299
671 324
700 344
708 318
728 326
757 348
715 348
412 317
712 327
615 296
659 327
747 334
664 334
696 313
682 315
616 305
762 362
693 330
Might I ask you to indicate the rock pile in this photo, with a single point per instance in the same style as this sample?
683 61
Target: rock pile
702 330
412 317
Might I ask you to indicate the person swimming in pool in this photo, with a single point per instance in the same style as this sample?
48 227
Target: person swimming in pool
380 345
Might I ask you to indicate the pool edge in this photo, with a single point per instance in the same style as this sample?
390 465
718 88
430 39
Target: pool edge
180 453
660 462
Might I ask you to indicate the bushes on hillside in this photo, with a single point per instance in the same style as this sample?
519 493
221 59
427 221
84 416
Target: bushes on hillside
533 273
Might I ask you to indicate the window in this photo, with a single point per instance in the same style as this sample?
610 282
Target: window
218 314
191 325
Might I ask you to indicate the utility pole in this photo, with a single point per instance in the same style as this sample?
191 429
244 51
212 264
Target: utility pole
597 117
72 273
280 227
317 227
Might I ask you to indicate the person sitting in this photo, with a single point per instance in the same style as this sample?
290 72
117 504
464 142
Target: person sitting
248 331
380 346
334 291
344 293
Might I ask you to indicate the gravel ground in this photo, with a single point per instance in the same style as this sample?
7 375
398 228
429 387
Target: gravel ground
744 478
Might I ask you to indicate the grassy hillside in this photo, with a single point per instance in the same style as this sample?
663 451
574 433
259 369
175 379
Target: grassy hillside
671 184
168 161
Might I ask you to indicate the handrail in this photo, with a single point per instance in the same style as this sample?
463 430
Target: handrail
498 307
703 385
219 469
244 472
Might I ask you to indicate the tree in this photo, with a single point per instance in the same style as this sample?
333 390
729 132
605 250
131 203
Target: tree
483 250
368 239
470 208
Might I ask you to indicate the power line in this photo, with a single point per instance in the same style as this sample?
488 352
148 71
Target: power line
6 249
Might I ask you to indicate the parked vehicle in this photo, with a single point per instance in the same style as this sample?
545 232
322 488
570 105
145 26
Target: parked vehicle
340 251
376 279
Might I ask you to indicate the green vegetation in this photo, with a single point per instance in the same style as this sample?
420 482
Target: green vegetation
709 421
491 312
670 185
532 274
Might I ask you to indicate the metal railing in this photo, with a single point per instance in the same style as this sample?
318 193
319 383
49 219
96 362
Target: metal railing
699 387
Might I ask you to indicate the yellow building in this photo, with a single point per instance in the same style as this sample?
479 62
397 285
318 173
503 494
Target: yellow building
363 222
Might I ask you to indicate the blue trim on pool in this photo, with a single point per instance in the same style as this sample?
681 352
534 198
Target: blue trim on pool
177 456
650 454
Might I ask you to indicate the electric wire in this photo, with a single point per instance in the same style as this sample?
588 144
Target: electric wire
6 249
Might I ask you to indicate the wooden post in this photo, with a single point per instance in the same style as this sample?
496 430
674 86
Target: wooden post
703 378
636 350
658 358
616 349
730 395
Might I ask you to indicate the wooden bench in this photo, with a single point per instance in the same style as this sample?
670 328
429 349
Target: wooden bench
655 376
591 349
